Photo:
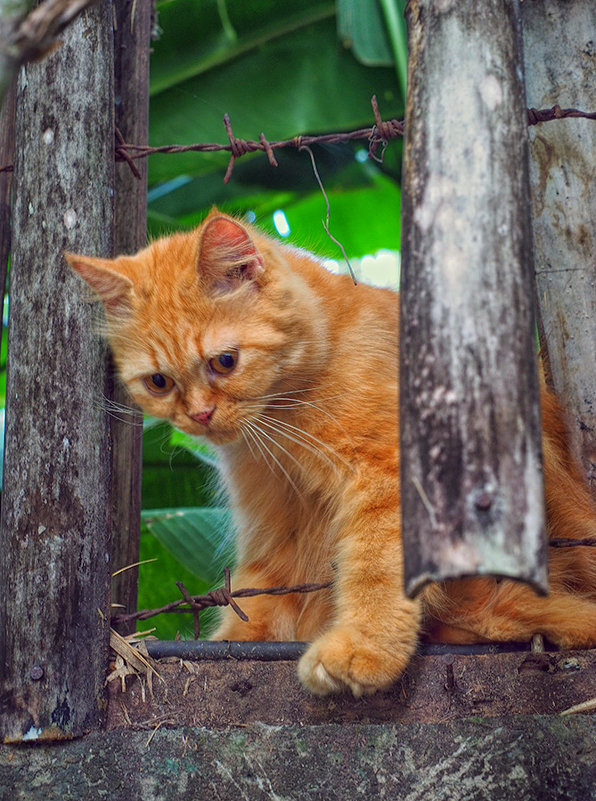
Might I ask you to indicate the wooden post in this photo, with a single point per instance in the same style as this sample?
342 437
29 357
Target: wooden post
7 122
55 527
131 77
471 482
560 62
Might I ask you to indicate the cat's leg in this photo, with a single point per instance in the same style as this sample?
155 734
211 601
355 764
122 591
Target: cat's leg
570 507
269 617
483 609
374 629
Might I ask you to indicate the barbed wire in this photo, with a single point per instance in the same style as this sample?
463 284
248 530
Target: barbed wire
223 596
377 135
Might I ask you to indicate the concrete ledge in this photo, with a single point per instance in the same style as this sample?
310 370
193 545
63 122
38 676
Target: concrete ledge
528 759
457 728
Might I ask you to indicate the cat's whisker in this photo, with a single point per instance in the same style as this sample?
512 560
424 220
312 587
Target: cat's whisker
117 404
265 454
260 434
118 411
298 402
293 403
284 393
304 439
249 443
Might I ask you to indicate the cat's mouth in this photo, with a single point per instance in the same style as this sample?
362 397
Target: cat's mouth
203 424
218 437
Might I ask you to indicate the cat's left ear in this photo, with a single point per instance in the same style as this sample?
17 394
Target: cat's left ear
228 257
113 289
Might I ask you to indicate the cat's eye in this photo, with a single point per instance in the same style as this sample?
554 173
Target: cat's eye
158 384
224 362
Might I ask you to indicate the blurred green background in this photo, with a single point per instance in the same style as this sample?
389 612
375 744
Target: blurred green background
284 69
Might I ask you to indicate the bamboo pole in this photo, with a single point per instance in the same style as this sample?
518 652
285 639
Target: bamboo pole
55 527
560 64
471 480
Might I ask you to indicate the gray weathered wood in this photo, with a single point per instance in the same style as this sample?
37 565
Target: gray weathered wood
471 481
7 123
131 78
560 65
55 528
28 33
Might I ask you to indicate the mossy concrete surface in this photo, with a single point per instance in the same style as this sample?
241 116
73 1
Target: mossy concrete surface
528 758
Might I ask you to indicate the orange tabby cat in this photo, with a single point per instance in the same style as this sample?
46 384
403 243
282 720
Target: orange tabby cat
292 373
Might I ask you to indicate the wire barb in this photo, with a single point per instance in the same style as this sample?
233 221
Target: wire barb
536 116
223 596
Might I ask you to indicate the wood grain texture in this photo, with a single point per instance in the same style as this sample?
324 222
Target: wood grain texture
55 528
7 124
131 79
560 63
471 486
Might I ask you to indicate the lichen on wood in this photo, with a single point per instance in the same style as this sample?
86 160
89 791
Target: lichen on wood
471 481
55 527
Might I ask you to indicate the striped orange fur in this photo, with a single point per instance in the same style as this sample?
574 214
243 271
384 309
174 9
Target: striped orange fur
291 372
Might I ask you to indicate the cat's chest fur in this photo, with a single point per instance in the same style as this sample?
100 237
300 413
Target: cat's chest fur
284 498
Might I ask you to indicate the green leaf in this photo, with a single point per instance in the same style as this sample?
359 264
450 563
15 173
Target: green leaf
198 538
364 219
361 27
298 83
172 474
200 450
393 11
157 587
364 207
196 37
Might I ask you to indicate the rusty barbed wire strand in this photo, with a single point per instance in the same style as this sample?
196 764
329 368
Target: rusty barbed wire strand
377 135
560 542
536 116
223 596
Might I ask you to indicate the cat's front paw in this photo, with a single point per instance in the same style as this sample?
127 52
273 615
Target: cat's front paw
344 658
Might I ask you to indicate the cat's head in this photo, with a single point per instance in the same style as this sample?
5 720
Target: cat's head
205 327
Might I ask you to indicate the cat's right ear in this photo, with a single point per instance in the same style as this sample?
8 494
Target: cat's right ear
114 290
228 258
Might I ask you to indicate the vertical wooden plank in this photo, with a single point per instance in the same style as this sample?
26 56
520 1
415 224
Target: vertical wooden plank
560 64
132 36
7 123
471 479
55 527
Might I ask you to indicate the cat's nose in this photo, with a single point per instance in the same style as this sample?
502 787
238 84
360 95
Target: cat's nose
203 417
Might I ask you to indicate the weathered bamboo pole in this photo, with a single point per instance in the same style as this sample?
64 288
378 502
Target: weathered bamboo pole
55 527
131 78
471 479
560 66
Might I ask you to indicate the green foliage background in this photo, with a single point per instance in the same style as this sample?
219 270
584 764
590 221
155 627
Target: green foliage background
285 69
